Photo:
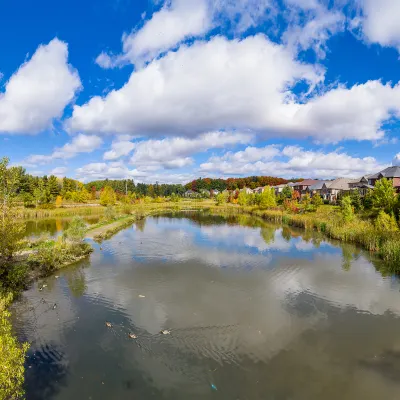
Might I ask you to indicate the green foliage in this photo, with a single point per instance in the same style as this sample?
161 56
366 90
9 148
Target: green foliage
11 231
243 198
386 223
356 200
108 197
346 209
53 255
384 195
268 198
306 201
317 200
175 198
12 356
287 192
13 276
221 198
53 186
76 230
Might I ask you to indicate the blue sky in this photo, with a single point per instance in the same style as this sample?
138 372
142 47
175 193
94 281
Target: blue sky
172 90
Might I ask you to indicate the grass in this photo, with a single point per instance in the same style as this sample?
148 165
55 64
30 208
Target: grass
34 213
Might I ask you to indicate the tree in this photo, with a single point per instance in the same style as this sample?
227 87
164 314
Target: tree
11 232
59 201
306 200
151 191
384 195
243 198
76 230
268 198
386 223
53 186
347 209
220 198
317 200
287 192
356 200
108 197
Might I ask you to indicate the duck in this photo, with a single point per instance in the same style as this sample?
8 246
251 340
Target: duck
165 332
108 324
132 335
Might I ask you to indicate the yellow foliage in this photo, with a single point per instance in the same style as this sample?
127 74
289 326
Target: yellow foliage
59 201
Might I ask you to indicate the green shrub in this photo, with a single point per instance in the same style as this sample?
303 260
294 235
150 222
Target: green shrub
12 356
347 209
386 223
13 277
76 230
110 214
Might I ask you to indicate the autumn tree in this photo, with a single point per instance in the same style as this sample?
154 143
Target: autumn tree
59 201
108 197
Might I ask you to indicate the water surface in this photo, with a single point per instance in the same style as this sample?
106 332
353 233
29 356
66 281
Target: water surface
52 226
254 312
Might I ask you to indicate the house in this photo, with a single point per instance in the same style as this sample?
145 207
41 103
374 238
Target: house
302 186
316 188
205 193
332 189
246 190
362 185
191 193
278 188
392 173
259 190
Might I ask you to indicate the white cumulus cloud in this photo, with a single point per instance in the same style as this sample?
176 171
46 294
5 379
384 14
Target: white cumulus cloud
119 148
59 171
39 91
380 21
291 161
175 152
237 84
220 84
79 144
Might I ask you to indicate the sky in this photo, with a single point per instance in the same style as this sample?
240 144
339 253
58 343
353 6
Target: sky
173 90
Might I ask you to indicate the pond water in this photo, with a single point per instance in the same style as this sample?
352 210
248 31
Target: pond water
52 227
254 311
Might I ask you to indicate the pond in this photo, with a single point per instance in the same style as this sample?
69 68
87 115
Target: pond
53 227
252 310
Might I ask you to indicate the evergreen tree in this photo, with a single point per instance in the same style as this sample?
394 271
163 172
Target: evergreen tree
53 186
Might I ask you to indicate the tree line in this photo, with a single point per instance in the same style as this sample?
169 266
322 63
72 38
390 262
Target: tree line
231 184
35 191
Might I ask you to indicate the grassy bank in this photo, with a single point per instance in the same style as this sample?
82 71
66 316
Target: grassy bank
36 213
